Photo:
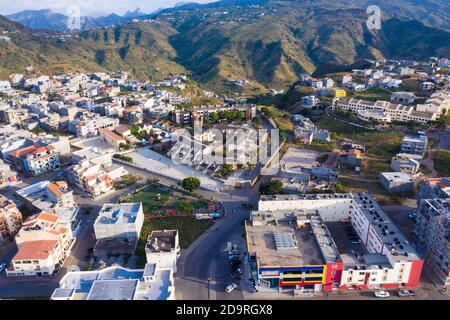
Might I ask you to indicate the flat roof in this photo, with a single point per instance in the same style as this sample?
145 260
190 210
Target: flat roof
62 293
112 289
262 234
397 176
386 230
392 237
115 213
296 159
161 240
416 139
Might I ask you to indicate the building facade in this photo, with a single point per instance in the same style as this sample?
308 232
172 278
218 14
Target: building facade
432 236
10 218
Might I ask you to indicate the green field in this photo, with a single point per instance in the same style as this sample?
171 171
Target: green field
149 198
155 200
373 94
281 118
188 227
372 169
369 138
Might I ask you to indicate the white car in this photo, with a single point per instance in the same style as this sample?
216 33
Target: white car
230 287
382 294
2 267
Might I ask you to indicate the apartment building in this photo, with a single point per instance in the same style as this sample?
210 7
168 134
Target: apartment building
52 197
384 111
434 188
414 145
405 164
89 124
296 243
44 243
10 218
35 160
432 236
117 228
95 177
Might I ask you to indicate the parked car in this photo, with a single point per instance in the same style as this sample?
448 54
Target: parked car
356 241
236 263
404 293
382 294
2 267
233 257
236 272
230 287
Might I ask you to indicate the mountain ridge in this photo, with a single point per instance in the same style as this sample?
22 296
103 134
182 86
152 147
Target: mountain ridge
269 45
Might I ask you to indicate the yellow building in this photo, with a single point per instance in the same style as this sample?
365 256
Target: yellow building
340 93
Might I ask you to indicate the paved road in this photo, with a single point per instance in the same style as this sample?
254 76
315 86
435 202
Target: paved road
208 257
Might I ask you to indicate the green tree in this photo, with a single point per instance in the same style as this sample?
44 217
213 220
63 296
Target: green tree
190 184
124 146
213 116
184 207
271 187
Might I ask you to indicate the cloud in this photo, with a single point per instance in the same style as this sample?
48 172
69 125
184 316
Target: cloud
89 7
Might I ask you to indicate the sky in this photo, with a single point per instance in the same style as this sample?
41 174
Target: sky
89 7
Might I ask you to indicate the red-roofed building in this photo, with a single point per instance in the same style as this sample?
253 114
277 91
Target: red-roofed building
44 243
35 160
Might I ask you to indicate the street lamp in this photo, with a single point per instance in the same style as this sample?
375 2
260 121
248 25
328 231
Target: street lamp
209 287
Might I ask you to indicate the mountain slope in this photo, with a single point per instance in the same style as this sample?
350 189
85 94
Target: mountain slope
267 42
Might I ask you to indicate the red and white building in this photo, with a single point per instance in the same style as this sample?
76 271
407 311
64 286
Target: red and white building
301 243
44 243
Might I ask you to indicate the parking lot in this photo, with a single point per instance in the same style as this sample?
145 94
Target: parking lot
344 236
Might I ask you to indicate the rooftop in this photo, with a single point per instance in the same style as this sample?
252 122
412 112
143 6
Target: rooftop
116 283
278 243
35 250
164 240
386 230
397 176
112 289
296 159
415 139
122 213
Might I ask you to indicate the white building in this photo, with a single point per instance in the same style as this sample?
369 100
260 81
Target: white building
403 97
405 164
117 283
396 181
415 145
309 101
44 243
163 249
385 111
122 220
